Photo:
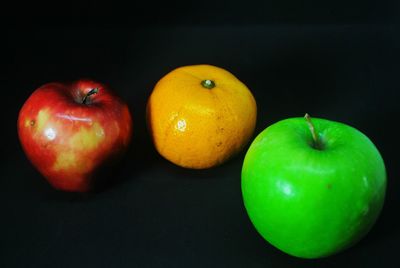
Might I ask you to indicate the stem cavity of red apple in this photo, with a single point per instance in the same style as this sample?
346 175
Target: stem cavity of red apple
316 144
91 92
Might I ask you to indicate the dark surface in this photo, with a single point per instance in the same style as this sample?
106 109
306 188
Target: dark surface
341 64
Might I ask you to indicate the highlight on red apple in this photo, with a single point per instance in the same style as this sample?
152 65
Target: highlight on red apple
72 132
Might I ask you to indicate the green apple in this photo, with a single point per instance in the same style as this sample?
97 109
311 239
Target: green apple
312 188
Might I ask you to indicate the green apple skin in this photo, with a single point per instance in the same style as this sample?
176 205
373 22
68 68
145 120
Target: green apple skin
307 202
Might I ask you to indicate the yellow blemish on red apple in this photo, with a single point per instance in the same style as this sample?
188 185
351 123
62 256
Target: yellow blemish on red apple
80 144
42 119
87 138
29 123
65 160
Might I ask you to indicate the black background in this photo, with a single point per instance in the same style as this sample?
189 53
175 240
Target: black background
333 59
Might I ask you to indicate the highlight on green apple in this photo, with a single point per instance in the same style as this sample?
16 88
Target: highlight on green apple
313 187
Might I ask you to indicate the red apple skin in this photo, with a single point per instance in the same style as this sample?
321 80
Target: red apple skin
68 141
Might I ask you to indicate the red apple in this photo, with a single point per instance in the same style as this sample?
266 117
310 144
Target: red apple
70 131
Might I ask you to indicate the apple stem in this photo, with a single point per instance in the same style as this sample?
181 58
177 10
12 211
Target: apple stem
316 143
91 92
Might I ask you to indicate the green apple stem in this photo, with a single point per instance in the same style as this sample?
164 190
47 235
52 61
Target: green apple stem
91 92
209 84
316 143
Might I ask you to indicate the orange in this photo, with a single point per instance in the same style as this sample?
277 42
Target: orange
201 115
